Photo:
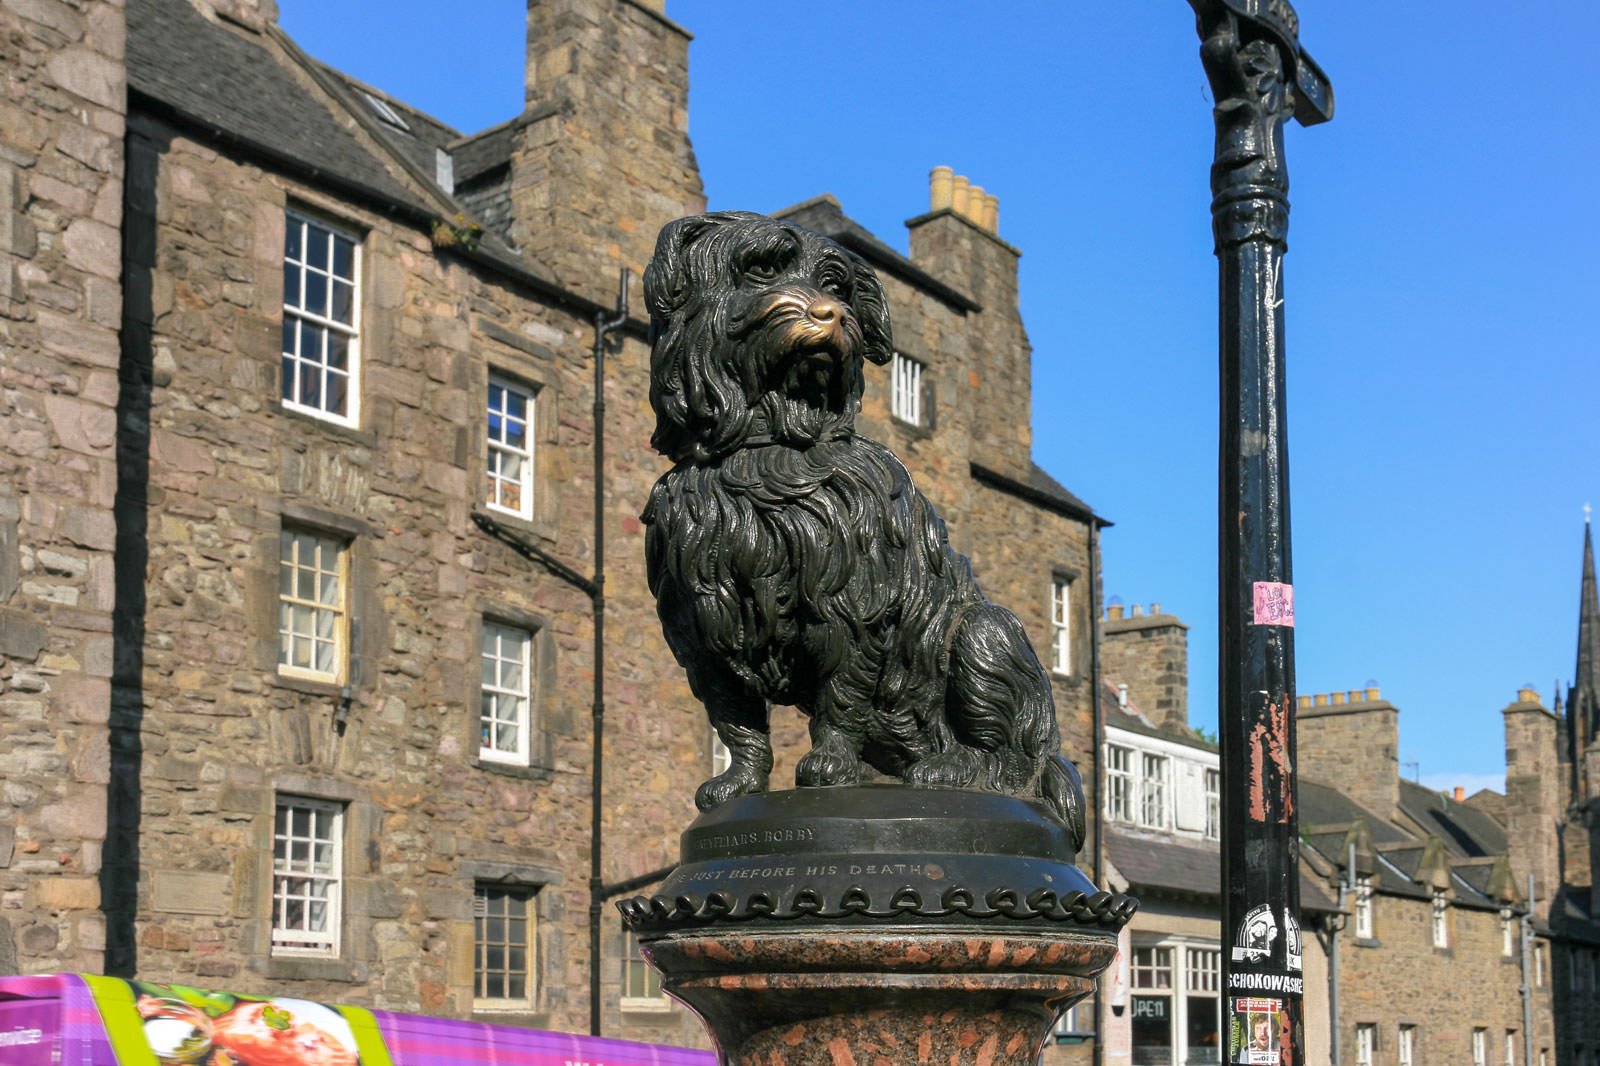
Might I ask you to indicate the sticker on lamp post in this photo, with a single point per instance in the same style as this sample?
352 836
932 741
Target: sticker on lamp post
1274 603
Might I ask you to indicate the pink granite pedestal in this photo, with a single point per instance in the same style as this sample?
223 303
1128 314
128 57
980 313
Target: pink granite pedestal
880 995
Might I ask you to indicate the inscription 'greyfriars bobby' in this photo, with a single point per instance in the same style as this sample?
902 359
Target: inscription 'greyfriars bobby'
793 561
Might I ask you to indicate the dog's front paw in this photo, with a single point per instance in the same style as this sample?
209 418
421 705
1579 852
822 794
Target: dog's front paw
736 780
956 768
833 762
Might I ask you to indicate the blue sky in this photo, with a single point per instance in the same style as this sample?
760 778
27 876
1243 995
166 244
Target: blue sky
1443 377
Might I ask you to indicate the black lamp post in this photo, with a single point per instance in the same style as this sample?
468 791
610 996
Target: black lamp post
1260 78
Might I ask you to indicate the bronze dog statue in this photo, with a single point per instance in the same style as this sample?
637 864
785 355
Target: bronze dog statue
793 561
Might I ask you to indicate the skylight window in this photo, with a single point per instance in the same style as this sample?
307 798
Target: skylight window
382 109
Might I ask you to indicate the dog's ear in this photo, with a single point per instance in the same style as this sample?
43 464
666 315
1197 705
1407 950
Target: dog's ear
666 277
872 311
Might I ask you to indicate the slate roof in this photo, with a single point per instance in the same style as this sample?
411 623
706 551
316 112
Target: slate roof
1323 805
1466 830
1161 863
224 82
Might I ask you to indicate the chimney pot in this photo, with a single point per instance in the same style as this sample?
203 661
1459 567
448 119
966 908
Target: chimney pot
1137 611
1303 702
941 187
1372 693
975 199
1461 794
1356 695
1114 612
1336 697
1320 699
991 213
1527 695
1155 608
961 189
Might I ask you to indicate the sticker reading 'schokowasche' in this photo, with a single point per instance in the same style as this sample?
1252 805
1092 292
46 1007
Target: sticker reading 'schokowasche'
1274 603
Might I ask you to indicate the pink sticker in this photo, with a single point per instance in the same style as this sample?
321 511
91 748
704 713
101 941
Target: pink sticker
1274 604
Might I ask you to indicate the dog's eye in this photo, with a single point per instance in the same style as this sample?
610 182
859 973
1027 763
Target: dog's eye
761 271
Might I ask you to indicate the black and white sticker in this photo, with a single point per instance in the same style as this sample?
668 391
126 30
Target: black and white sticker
1256 934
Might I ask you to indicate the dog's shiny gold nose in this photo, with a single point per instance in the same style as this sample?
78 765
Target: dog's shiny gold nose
825 309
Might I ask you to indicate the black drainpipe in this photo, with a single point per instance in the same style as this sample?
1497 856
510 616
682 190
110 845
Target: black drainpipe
603 328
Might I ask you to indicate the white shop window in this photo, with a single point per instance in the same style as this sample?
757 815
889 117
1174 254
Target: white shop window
321 357
307 868
1175 1005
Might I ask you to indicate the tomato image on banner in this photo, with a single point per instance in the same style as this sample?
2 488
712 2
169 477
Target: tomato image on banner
189 1027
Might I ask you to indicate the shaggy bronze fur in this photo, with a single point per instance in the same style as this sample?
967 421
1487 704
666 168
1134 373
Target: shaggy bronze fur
793 561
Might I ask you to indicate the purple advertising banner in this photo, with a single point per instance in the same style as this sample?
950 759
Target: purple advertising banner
71 1020
414 1040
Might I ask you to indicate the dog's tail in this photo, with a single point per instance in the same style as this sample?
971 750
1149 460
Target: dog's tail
1000 703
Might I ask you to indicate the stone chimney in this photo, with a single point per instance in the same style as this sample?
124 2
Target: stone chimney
602 158
1534 805
1353 740
957 242
1150 654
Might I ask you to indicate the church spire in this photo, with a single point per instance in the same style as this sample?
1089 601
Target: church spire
1585 696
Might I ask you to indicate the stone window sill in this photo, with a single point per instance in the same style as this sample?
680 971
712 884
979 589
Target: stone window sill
526 773
281 968
352 434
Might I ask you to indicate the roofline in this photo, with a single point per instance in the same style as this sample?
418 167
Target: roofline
891 261
1005 483
363 193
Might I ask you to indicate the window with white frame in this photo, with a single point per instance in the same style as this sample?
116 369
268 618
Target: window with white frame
721 757
1075 1024
1441 921
307 867
504 717
503 947
312 616
1119 783
1061 625
905 389
1175 1004
1405 1046
1366 1043
1511 1047
1364 908
321 320
1480 1047
1538 964
1152 790
1202 1007
510 442
641 985
1213 804
1508 940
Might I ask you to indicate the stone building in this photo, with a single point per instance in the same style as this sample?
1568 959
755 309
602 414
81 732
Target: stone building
1417 899
298 511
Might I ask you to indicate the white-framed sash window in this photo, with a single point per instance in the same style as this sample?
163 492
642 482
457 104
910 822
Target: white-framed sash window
506 694
321 358
307 875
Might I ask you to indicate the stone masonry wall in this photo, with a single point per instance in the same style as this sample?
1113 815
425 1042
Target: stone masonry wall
61 127
1399 978
1355 745
1149 654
